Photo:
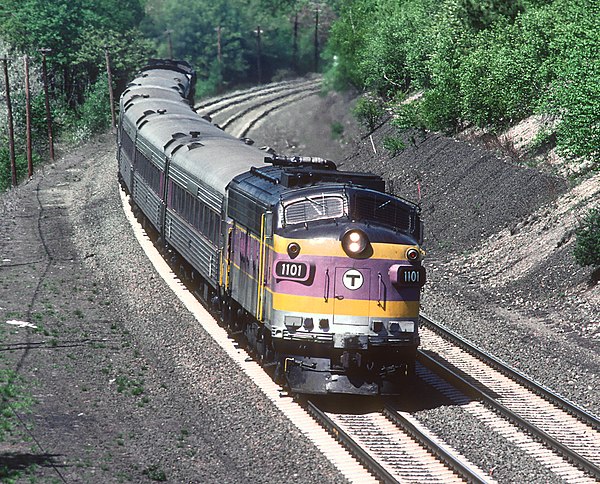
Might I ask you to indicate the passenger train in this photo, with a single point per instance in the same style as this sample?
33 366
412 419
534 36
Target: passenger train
320 269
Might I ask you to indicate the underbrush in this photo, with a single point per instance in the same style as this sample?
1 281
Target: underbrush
70 126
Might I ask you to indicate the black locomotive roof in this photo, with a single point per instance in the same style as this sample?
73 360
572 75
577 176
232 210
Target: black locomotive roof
285 175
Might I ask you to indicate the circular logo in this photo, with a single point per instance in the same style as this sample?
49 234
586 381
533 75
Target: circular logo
353 279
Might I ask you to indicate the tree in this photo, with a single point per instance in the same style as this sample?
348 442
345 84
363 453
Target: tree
77 32
587 245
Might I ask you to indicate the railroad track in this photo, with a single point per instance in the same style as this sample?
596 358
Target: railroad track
395 447
559 434
239 112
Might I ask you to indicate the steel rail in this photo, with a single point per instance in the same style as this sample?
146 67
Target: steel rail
356 450
250 125
479 394
225 102
284 96
469 474
536 387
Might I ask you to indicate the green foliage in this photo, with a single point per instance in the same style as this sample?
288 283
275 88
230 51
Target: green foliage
348 40
393 144
368 111
5 168
12 399
94 114
155 473
574 68
77 31
395 55
587 245
440 105
337 130
499 78
489 63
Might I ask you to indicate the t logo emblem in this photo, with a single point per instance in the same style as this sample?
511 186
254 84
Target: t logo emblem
353 279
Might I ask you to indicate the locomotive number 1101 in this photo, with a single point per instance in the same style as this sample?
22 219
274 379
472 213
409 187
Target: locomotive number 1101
412 277
297 271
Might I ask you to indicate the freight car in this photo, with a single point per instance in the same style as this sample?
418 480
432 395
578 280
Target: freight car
318 268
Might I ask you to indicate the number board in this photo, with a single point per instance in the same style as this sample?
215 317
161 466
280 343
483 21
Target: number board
411 276
294 271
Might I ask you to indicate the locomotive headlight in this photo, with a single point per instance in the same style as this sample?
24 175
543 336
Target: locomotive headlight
355 242
412 254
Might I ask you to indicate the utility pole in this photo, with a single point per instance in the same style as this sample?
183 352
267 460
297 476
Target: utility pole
170 41
44 52
110 88
11 131
317 39
28 117
258 54
295 44
219 59
219 53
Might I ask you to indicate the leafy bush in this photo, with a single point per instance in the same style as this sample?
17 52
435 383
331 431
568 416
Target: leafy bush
368 111
440 105
12 399
337 130
347 42
393 144
587 245
92 116
574 66
395 54
499 78
5 168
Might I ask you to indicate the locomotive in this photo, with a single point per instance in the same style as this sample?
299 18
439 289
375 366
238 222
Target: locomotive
319 269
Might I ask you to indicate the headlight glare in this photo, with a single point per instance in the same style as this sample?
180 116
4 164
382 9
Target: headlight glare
355 242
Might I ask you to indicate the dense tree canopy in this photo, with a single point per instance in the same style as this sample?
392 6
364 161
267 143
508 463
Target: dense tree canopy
77 32
194 28
487 62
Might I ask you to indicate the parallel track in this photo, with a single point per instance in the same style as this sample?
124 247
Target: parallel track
238 113
394 447
558 424
213 106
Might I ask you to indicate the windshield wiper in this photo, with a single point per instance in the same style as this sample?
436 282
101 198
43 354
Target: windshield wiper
318 207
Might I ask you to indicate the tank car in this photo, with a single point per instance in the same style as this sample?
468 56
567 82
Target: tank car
320 269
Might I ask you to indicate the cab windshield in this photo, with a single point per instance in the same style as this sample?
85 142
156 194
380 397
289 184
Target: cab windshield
310 208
